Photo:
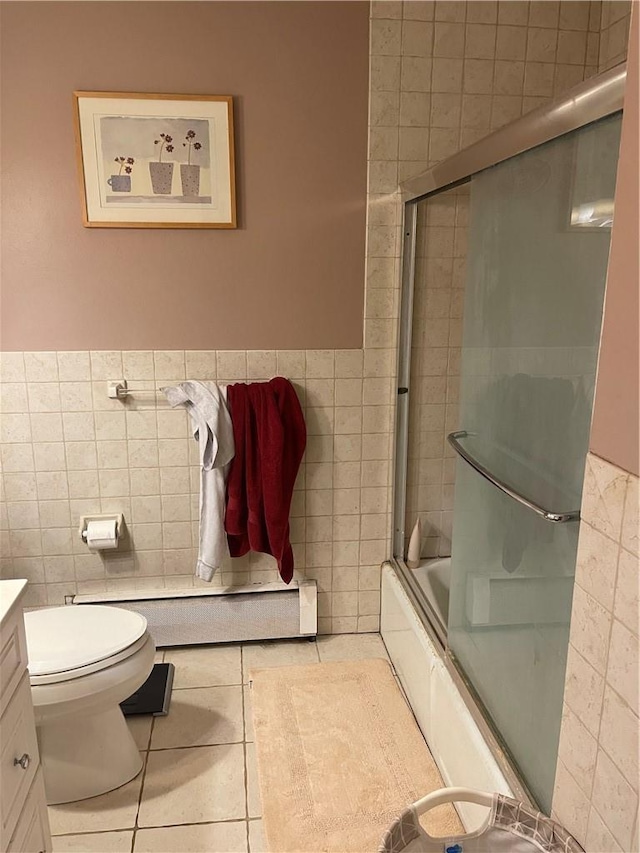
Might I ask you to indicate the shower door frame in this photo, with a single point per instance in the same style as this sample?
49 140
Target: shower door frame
588 102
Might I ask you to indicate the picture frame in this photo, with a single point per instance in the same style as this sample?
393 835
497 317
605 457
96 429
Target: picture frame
155 160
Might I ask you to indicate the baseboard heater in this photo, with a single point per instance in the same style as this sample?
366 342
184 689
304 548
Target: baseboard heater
220 615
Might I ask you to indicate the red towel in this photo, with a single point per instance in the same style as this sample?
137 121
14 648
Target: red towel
270 437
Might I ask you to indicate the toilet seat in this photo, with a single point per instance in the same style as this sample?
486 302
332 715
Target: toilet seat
77 672
68 642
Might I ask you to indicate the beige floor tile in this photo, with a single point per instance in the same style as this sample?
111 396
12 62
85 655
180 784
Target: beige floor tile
257 844
201 716
249 734
205 666
113 810
280 653
196 838
351 647
159 658
254 806
140 728
95 842
193 786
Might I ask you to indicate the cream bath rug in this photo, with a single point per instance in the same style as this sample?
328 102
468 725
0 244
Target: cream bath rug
339 756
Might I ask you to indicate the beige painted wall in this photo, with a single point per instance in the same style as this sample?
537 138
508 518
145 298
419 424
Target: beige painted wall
614 434
291 276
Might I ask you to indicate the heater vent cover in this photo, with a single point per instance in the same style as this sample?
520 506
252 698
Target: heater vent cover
235 614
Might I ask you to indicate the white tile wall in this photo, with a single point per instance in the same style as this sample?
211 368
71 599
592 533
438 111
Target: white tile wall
596 792
67 449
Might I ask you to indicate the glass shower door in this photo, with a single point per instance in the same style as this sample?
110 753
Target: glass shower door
536 269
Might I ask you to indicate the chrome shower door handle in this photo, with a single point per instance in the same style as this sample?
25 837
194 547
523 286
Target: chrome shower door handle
556 517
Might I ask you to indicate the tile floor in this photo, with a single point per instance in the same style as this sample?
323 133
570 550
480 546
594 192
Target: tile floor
198 789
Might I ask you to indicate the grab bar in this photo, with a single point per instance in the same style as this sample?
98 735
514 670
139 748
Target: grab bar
555 517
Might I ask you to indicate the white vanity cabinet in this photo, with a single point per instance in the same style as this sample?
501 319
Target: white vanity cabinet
24 824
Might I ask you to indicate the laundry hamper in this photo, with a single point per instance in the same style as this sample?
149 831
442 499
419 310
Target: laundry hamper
510 827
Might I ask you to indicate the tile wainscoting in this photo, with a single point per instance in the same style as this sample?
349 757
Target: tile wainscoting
596 793
68 450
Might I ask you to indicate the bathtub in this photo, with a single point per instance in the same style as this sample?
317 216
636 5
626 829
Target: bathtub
460 749
433 577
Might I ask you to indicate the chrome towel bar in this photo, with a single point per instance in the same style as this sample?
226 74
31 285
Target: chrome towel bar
555 517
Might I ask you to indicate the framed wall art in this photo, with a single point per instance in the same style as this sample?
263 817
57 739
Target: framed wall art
155 161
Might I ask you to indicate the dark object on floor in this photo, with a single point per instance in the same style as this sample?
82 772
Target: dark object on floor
154 696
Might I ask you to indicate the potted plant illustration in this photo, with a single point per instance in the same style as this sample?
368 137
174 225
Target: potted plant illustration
162 173
190 174
122 183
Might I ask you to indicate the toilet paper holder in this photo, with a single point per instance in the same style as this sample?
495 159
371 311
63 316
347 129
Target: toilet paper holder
118 517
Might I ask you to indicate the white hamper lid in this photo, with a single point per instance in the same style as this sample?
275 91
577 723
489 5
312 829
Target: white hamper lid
64 638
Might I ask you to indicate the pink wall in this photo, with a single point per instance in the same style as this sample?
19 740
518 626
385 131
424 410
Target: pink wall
290 277
614 434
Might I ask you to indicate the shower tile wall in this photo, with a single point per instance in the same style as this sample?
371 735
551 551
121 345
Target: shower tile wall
614 33
596 789
443 75
435 355
68 450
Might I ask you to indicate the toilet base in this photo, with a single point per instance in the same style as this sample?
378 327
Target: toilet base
84 756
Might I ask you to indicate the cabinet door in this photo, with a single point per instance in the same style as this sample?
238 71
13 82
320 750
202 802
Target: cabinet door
18 758
32 832
13 658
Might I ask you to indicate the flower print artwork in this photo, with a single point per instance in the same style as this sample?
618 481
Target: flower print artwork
190 174
122 183
162 173
177 171
190 143
129 161
156 159
165 140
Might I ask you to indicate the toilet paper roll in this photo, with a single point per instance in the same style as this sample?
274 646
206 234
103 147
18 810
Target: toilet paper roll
102 535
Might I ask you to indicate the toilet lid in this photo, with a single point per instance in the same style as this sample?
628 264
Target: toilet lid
64 638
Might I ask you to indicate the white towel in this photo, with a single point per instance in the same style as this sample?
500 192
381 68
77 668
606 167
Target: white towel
206 403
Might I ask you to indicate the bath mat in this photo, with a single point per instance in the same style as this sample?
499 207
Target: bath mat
339 757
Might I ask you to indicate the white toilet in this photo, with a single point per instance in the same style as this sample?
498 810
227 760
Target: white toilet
83 661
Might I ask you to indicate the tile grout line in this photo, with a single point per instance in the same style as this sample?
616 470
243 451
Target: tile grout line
205 686
244 754
158 826
197 745
144 776
246 795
